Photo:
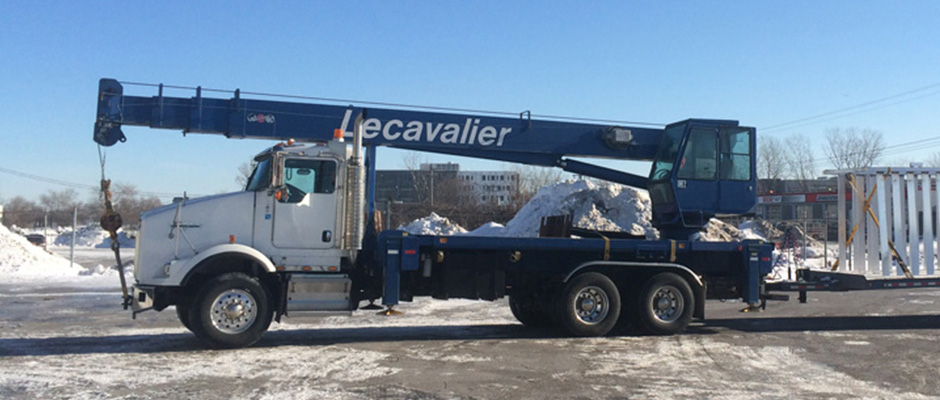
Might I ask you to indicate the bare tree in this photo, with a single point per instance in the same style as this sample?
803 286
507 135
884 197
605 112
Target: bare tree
771 162
59 206
422 182
799 160
21 212
531 179
850 148
933 160
128 202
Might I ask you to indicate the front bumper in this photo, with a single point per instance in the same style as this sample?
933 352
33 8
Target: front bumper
143 298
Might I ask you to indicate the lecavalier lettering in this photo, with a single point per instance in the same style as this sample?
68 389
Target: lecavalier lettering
466 132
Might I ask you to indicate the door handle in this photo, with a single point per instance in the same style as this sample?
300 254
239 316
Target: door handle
327 236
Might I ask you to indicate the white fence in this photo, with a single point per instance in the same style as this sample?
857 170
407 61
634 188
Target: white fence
891 223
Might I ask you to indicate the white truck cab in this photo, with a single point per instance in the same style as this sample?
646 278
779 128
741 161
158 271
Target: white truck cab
288 220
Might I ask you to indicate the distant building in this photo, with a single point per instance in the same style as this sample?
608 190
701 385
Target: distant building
481 187
446 167
800 206
402 185
495 187
768 186
784 200
814 202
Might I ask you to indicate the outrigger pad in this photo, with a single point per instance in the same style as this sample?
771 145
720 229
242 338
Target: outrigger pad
836 280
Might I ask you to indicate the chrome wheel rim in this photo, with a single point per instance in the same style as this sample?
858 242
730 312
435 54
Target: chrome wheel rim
233 311
667 304
591 305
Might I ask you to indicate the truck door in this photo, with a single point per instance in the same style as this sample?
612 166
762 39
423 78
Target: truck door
305 216
736 147
696 178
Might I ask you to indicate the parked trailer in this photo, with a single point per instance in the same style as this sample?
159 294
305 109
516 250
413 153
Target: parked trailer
881 236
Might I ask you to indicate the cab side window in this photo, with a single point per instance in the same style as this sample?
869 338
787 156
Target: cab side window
308 176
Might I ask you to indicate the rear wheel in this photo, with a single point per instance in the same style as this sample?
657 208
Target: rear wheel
588 305
666 304
231 310
528 313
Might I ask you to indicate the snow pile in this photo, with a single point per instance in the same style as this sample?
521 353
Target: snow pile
760 228
433 225
718 231
488 229
600 206
21 260
86 236
93 236
125 241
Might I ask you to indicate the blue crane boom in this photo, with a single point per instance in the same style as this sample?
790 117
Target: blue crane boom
681 203
519 140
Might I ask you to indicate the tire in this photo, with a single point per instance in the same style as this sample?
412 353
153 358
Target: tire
231 310
665 305
529 314
182 312
588 305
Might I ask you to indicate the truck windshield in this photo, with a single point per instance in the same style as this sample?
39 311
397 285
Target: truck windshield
261 177
668 151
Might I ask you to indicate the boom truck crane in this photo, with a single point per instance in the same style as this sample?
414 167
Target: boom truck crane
299 238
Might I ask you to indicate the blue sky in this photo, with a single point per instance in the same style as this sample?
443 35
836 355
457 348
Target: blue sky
762 63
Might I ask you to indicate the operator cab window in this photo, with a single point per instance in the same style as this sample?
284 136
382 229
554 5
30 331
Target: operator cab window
308 176
668 150
700 158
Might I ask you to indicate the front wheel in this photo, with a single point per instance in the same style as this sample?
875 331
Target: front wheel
182 312
231 310
588 305
665 305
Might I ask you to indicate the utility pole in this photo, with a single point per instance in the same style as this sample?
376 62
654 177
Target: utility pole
72 245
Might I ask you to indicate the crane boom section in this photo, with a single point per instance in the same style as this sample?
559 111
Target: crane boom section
522 139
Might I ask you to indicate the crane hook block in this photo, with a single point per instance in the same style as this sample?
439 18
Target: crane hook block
111 221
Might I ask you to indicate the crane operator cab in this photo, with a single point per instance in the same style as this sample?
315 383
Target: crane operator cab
703 168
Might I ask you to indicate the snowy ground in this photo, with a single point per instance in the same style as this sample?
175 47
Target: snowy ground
77 343
67 337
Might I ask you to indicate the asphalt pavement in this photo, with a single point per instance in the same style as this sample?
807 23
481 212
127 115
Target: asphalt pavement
78 343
